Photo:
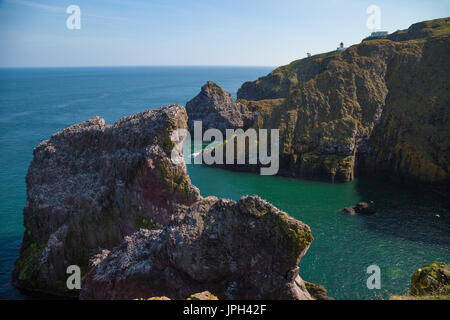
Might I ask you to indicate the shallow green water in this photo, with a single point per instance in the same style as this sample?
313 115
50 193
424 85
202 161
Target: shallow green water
404 234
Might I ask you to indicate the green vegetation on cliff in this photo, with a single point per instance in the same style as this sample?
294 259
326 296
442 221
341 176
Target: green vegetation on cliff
379 107
431 282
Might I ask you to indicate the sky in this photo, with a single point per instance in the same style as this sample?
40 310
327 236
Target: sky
33 33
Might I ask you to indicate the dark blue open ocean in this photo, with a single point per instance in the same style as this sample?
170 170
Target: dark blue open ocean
404 235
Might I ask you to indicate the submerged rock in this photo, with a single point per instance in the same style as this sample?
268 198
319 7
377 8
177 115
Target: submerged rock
217 109
239 250
361 208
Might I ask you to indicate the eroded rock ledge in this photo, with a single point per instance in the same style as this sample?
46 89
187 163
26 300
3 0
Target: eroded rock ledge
239 250
110 199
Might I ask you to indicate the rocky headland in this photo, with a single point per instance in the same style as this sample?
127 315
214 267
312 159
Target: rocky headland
90 185
116 201
380 108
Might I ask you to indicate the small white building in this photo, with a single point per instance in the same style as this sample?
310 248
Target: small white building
378 34
341 47
308 54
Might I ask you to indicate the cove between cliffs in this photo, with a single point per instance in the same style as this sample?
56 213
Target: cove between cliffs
401 237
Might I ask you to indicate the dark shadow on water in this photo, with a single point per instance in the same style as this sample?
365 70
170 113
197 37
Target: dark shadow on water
405 212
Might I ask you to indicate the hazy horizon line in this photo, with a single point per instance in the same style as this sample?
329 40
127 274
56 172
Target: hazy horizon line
137 66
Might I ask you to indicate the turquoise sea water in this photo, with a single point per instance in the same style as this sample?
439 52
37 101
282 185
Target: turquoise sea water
402 236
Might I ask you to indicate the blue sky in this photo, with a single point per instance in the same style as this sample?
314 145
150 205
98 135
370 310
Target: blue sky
183 32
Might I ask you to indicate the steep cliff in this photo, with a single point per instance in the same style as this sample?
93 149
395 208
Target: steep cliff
90 185
121 190
380 107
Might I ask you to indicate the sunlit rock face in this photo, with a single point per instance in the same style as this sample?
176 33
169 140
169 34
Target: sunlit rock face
217 110
378 108
117 201
91 184
239 250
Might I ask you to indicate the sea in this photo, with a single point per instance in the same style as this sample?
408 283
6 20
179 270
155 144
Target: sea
410 229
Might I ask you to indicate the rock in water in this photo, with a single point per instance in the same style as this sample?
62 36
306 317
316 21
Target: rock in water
90 185
217 109
361 208
239 250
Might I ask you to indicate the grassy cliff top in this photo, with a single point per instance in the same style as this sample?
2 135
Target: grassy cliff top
328 106
280 81
421 30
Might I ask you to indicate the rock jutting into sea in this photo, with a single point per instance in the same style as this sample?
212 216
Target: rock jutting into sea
116 201
90 185
217 109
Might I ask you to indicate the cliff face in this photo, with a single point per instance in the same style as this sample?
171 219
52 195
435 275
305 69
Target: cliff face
380 106
243 250
90 185
412 142
119 189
